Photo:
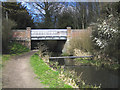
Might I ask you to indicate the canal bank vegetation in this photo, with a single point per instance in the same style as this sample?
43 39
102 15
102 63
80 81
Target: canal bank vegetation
85 45
53 75
71 77
47 70
97 63
103 41
82 42
46 74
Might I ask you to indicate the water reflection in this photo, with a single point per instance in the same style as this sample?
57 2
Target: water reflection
95 76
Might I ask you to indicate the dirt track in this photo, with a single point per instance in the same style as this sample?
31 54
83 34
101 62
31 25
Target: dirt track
18 73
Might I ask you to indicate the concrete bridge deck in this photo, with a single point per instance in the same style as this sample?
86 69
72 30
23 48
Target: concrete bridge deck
48 34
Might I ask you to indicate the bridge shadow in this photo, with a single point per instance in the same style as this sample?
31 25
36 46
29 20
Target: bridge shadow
54 46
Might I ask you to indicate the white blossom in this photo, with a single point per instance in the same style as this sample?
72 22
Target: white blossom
111 15
104 22
106 31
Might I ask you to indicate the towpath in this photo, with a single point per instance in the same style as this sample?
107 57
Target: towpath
18 73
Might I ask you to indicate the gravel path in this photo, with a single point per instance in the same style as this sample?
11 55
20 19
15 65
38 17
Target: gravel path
18 73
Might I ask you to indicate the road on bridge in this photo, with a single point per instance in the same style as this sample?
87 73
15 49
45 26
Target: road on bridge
18 73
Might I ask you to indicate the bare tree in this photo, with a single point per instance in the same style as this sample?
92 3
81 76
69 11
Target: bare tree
47 11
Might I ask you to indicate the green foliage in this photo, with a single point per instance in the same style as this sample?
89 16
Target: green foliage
65 54
6 33
16 48
106 33
45 74
5 57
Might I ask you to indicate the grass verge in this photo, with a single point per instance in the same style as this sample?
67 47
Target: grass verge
46 74
5 57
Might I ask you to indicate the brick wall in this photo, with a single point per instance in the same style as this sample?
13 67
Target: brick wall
22 36
76 32
19 34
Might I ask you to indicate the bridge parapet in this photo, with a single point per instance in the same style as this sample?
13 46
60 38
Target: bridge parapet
48 34
22 36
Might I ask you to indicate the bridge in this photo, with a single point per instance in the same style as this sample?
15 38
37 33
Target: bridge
54 38
30 37
48 34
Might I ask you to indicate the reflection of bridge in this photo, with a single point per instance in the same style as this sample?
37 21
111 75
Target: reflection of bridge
49 34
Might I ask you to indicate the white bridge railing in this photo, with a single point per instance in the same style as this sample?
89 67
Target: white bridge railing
48 34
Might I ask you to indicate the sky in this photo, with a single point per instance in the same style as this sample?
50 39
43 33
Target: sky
30 8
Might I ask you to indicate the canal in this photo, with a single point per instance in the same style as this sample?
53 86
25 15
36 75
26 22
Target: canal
93 75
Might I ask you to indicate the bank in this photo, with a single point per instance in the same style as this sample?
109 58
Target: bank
45 73
54 75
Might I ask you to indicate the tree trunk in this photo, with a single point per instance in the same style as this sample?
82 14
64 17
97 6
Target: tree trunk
83 16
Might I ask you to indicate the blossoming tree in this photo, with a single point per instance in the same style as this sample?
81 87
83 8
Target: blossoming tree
106 37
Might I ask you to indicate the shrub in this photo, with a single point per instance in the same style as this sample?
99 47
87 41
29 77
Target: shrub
106 37
82 42
16 48
43 50
6 33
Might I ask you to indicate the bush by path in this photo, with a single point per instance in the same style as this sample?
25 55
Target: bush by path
16 48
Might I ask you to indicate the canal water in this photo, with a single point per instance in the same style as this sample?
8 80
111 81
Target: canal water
93 75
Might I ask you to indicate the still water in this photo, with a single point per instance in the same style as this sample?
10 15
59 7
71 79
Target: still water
95 76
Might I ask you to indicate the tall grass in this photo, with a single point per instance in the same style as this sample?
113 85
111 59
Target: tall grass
81 41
